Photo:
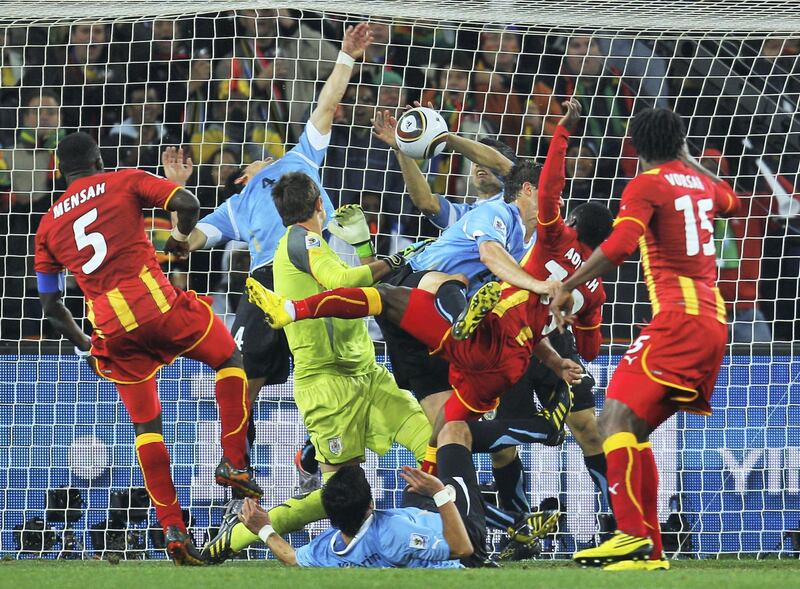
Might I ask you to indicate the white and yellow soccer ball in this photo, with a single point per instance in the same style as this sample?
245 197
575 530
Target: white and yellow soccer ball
421 133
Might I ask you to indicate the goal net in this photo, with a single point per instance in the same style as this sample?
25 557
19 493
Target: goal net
233 82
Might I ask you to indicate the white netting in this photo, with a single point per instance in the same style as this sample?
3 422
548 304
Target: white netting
233 87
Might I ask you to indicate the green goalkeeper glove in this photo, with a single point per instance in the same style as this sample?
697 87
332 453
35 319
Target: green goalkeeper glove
349 224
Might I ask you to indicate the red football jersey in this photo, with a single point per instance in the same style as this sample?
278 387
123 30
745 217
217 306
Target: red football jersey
556 255
96 231
669 212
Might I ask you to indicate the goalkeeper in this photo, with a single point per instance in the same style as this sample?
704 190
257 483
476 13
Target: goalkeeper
251 217
348 401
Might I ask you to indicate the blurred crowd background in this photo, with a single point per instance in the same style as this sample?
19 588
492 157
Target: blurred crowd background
235 87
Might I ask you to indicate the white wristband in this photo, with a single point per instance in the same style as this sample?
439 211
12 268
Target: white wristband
445 496
265 532
345 59
178 236
81 353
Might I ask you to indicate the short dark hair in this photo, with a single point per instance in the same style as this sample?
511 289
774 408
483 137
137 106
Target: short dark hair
658 134
295 196
524 171
346 498
501 147
593 223
77 152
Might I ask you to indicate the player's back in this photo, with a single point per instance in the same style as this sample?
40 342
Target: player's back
402 537
677 206
96 231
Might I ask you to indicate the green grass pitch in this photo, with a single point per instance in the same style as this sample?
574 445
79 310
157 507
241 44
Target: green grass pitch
706 574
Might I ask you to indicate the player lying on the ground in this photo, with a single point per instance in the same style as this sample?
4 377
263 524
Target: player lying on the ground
411 536
141 322
668 212
251 216
348 402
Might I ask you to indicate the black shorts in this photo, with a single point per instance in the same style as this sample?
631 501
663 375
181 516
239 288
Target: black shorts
518 402
462 477
413 367
265 351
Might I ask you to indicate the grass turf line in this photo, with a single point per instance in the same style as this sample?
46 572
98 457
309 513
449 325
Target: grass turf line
708 574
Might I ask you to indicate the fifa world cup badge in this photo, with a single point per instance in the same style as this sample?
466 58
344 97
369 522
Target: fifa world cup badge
335 445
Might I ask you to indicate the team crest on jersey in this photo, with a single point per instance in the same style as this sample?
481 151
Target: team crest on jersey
418 541
335 444
312 241
499 225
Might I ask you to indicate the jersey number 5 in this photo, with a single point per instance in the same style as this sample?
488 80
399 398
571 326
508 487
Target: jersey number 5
684 204
94 240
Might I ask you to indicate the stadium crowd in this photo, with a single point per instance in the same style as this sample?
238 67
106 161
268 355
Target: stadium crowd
237 87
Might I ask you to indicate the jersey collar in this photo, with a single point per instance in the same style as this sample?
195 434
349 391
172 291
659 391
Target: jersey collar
360 534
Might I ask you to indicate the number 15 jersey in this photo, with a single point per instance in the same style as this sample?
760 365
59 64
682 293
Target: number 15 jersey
96 231
668 212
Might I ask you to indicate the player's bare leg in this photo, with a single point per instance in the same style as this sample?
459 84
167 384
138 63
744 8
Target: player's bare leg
627 449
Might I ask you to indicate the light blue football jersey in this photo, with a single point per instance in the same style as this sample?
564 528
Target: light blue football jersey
450 212
456 250
402 537
251 216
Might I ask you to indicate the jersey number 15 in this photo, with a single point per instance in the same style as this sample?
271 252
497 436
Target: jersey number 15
684 204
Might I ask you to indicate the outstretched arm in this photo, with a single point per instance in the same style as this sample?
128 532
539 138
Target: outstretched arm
356 40
256 519
506 268
61 318
481 154
552 180
383 127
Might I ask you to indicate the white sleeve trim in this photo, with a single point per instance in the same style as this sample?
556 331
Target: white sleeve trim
213 235
306 158
317 140
233 221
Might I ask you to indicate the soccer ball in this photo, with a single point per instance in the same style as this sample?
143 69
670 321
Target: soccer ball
421 133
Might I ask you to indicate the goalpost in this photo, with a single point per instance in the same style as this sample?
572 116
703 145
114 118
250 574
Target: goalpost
232 87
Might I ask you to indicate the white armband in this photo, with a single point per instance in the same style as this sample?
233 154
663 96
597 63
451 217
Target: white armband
178 236
265 532
345 59
445 496
81 353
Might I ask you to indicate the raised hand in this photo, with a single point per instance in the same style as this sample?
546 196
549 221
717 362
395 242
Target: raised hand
572 114
356 40
251 170
421 482
384 126
176 167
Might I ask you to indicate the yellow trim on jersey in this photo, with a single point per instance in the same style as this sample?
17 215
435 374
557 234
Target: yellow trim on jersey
689 295
587 328
644 446
374 302
666 383
514 300
525 334
470 407
148 438
639 222
648 276
543 224
441 342
169 197
183 353
652 172
90 312
722 316
155 289
122 309
522 263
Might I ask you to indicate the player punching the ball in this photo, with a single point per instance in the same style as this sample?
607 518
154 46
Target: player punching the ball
668 212
141 322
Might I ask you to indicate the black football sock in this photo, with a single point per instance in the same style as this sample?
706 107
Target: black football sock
308 458
451 299
596 466
500 519
496 434
510 481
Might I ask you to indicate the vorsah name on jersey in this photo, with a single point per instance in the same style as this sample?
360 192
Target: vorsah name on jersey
78 198
685 181
574 258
